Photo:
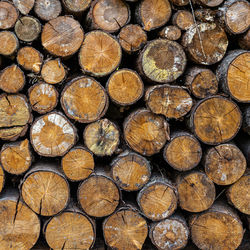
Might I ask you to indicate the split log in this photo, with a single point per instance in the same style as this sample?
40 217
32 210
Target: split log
9 43
215 120
78 163
205 43
125 229
170 32
234 74
43 97
62 36
229 231
45 190
76 6
15 114
196 191
183 152
162 61
180 2
2 178
157 199
12 79
98 195
130 171
145 132
101 137
19 225
224 164
246 120
84 99
125 87
244 40
16 158
52 135
8 15
100 54
170 101
183 19
24 6
171 233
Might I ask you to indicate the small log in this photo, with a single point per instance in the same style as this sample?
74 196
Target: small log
130 171
209 3
183 19
48 9
145 132
30 59
12 79
101 137
102 58
233 74
162 61
132 38
9 43
125 229
62 36
8 15
170 101
201 82
52 135
19 225
125 87
224 164
24 6
152 14
45 190
43 97
244 40
170 32
183 152
206 44
215 120
180 2
2 178
16 158
15 114
246 120
196 191
171 233
217 228
98 195
78 163
84 99
75 7
27 28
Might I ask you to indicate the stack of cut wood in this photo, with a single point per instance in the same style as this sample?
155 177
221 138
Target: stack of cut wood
124 124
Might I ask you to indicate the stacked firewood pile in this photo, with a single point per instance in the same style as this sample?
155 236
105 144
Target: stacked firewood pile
124 124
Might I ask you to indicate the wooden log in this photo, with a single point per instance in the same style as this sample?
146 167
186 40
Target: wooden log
209 3
132 38
52 135
162 61
201 82
24 6
78 163
170 32
27 28
215 120
9 43
246 120
45 190
30 59
183 19
180 2
152 14
62 36
47 9
145 132
76 6
171 233
125 87
84 99
43 97
233 74
19 225
130 171
16 158
205 15
228 233
8 15
15 114
2 178
98 195
196 191
102 137
70 229
12 79
244 40
224 164
183 152
125 229
102 58
206 43
170 101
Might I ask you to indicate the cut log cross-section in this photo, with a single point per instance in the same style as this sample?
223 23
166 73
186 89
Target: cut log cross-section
183 19
9 43
8 15
170 32
74 6
2 178
24 6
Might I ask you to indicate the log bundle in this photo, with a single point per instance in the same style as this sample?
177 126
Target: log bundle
124 124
